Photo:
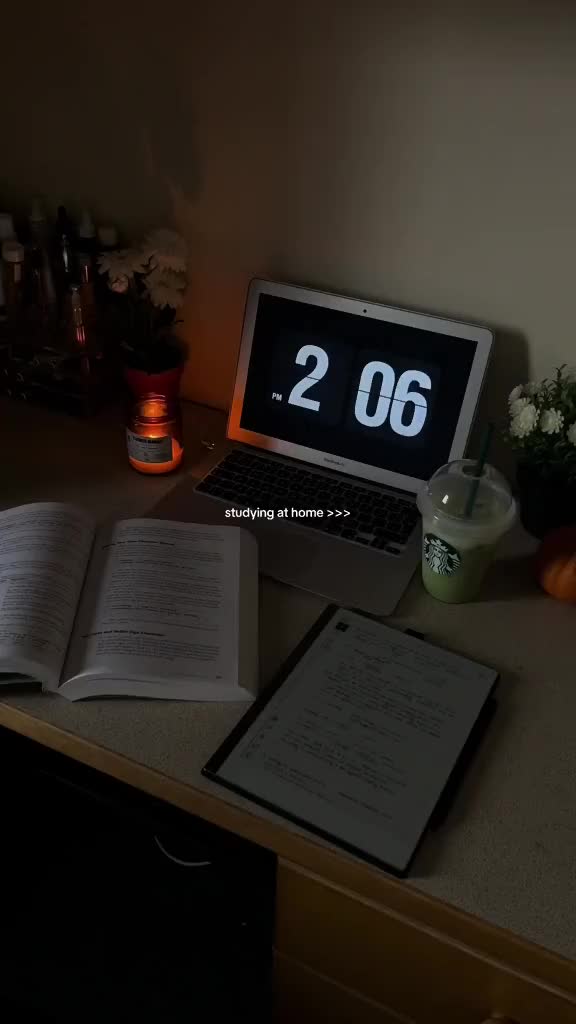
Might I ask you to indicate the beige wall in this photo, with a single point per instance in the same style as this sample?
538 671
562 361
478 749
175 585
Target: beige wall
422 154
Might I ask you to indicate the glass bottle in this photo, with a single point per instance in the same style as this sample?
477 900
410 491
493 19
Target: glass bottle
87 241
154 434
65 269
87 253
6 234
75 319
13 254
108 238
43 293
107 242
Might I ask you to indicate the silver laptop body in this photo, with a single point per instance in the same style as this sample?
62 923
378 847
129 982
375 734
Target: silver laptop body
353 401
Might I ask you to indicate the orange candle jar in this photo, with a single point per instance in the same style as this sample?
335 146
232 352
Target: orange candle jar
154 435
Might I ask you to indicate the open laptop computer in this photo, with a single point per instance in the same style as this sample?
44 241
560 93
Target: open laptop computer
341 407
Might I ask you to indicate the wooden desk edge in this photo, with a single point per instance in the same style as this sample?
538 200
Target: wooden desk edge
304 854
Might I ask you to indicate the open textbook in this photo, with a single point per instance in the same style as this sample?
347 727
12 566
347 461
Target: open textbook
144 607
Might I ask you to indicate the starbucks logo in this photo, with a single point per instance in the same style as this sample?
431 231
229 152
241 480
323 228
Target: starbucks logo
440 556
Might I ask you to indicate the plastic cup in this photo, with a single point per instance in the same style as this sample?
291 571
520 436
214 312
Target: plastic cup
459 541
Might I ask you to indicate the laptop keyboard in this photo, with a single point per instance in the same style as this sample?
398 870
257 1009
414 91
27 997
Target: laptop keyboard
378 519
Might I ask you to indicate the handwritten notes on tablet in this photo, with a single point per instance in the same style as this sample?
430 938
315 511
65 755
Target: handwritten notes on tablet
360 739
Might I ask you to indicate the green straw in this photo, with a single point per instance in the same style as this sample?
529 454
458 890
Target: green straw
478 470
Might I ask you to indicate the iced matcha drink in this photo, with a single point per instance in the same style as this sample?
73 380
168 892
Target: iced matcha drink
459 539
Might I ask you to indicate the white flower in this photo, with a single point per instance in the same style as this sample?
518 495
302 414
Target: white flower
531 388
515 393
124 263
138 261
166 249
525 421
517 405
165 287
162 295
159 275
551 421
120 285
571 433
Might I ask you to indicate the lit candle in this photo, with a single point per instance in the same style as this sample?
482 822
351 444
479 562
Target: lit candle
154 435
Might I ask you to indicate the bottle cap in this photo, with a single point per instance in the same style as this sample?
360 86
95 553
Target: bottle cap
37 214
86 227
64 223
108 235
6 227
12 252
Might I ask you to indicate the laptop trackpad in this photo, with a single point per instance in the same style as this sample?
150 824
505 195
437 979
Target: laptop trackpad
276 542
345 573
281 546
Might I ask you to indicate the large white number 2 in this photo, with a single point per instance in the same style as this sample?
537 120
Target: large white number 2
392 398
320 368
392 393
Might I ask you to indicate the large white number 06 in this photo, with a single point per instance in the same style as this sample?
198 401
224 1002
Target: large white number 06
402 395
320 368
392 398
380 413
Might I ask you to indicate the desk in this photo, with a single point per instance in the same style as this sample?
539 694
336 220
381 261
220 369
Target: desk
487 920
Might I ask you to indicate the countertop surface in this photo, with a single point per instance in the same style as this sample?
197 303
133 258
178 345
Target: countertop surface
507 850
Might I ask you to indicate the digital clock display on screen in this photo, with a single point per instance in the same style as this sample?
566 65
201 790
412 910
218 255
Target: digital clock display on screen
384 394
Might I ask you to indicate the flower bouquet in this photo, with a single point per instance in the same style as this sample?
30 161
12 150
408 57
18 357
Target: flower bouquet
149 281
542 430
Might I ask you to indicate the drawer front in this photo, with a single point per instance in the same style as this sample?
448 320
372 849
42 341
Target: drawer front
399 963
301 994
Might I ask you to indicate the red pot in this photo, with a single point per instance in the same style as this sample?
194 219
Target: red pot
166 383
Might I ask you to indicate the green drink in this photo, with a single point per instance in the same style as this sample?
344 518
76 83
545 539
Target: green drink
459 538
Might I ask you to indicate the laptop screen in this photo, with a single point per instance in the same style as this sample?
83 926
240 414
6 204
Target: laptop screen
383 394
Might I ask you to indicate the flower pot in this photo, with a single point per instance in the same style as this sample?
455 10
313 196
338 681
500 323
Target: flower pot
154 368
546 502
164 382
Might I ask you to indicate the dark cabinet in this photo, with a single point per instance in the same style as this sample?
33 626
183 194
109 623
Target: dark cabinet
116 906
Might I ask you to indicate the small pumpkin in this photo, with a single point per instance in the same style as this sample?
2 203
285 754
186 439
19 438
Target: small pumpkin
556 564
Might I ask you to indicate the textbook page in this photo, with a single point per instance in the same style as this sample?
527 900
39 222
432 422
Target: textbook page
44 552
160 613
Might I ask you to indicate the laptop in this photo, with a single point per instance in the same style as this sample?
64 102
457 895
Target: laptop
342 409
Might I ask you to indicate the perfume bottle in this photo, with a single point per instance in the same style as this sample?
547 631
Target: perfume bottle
7 234
13 281
76 325
43 297
65 266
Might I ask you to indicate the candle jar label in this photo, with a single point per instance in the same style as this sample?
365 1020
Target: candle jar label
149 449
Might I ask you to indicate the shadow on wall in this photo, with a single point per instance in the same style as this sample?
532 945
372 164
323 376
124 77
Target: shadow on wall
405 153
285 137
508 367
252 135
98 117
